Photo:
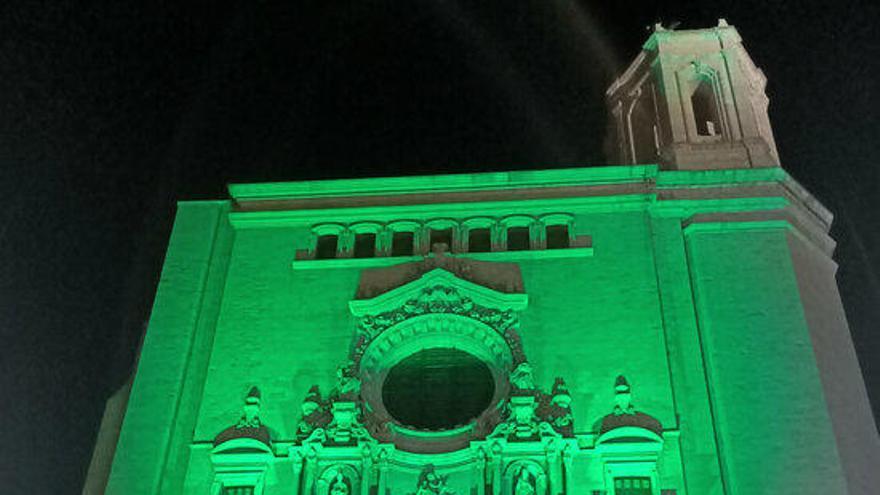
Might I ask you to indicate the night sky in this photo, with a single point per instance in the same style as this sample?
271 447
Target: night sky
112 111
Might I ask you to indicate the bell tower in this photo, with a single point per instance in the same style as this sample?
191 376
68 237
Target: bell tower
691 100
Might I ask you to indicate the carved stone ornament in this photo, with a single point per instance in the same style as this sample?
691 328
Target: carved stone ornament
249 424
339 486
432 483
525 482
250 416
624 414
338 479
437 299
433 310
531 413
438 292
346 427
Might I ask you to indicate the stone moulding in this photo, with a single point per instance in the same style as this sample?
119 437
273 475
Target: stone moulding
435 310
679 193
240 462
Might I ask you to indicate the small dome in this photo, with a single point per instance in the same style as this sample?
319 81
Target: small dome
638 419
259 433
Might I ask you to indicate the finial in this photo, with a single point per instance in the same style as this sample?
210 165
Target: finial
722 22
560 395
312 401
622 396
250 417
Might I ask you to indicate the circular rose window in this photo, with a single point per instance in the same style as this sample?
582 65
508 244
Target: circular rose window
438 389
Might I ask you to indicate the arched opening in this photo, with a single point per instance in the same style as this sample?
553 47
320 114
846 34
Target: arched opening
705 109
438 389
644 130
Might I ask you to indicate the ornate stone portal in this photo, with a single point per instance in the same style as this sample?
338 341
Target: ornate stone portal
519 440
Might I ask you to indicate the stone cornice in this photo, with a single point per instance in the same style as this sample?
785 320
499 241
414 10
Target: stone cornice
691 195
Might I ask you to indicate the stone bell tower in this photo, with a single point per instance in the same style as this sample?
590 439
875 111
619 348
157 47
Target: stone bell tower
691 100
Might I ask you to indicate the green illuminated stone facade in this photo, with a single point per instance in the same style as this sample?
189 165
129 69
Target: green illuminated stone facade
636 329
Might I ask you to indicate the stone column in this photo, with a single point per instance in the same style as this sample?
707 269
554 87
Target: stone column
366 470
297 459
480 471
383 471
497 468
552 454
568 460
311 467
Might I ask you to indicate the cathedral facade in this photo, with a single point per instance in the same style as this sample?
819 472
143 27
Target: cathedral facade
668 325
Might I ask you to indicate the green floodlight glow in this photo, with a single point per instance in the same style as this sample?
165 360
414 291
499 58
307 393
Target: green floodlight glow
684 310
667 329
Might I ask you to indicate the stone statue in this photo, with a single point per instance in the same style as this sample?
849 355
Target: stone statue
339 486
560 408
315 414
348 387
521 377
432 483
525 483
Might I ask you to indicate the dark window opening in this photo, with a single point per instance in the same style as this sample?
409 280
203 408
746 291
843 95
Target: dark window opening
402 244
557 237
518 239
238 490
326 248
364 245
643 131
441 236
705 110
632 485
438 389
479 241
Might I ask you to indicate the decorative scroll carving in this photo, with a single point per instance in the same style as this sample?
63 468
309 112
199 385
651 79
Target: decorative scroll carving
346 426
330 421
315 414
437 299
531 413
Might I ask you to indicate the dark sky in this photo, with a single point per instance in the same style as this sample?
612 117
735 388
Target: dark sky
112 111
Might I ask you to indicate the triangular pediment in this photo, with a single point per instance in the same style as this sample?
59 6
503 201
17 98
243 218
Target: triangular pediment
439 287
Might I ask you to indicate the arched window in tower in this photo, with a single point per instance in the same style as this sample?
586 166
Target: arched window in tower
705 109
643 128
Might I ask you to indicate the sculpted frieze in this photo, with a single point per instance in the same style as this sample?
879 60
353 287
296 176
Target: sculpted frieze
437 299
